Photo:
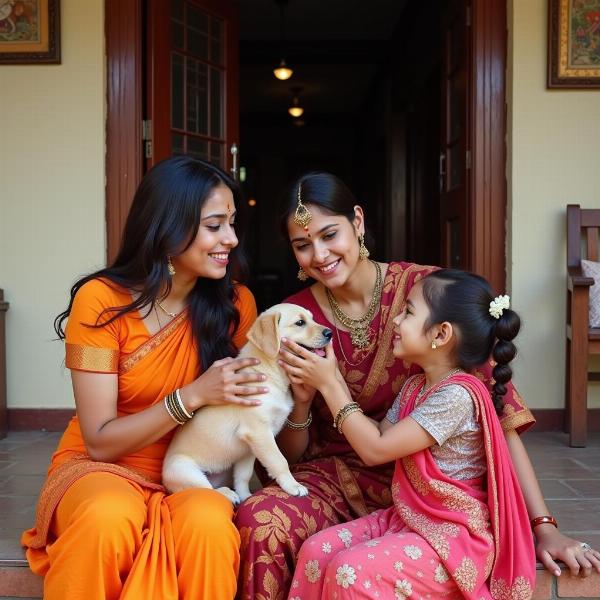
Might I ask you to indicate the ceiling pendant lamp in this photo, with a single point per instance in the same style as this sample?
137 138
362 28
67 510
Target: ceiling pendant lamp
295 109
282 72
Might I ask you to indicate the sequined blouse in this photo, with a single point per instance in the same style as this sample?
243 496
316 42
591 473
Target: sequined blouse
448 415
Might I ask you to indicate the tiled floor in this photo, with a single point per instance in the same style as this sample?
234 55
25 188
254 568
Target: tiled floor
570 479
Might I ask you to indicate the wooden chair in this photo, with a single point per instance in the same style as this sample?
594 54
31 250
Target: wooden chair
582 233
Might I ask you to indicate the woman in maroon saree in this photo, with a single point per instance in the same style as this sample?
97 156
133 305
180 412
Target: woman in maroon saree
330 248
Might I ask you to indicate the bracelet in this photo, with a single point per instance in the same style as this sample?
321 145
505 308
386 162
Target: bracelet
176 408
545 519
299 426
186 412
170 411
341 414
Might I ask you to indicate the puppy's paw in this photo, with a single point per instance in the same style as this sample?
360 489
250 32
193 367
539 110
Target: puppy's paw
293 488
229 494
243 495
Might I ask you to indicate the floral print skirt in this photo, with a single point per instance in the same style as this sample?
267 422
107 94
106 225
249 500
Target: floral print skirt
375 556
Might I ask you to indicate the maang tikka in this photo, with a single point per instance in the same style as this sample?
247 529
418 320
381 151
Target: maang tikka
302 216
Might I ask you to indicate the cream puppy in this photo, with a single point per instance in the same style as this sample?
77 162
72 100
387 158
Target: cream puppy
219 437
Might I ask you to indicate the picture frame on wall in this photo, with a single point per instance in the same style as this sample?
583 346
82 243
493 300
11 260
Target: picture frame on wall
29 31
573 44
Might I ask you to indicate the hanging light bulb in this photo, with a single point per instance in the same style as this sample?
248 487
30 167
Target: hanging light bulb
295 109
282 72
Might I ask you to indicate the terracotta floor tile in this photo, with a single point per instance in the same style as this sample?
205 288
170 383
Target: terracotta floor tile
556 488
586 488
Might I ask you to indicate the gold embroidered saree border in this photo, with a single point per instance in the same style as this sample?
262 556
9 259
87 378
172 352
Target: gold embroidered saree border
127 362
350 488
516 420
383 349
63 477
89 358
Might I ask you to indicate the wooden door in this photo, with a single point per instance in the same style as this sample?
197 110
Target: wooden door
454 159
192 102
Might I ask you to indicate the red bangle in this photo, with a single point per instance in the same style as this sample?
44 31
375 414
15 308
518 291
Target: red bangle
541 520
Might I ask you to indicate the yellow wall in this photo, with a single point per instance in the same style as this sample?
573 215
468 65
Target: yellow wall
553 143
51 198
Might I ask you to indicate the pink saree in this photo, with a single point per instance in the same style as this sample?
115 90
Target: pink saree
453 515
442 538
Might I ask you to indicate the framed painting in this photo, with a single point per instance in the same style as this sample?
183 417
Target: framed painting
574 43
29 31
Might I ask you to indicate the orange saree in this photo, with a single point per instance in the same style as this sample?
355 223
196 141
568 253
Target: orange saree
109 530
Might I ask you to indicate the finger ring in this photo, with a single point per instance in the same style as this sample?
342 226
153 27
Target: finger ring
585 546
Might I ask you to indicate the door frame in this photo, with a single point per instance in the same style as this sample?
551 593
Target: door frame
487 175
487 185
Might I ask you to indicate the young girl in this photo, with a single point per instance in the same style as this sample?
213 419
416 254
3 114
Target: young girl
455 529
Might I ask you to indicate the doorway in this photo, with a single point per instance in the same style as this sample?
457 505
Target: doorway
379 89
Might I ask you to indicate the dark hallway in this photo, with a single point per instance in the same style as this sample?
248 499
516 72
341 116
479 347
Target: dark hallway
368 78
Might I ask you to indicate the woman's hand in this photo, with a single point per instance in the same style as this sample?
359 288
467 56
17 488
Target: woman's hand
224 382
307 369
552 545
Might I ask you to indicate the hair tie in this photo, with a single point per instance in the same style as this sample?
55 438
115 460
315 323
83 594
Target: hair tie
498 305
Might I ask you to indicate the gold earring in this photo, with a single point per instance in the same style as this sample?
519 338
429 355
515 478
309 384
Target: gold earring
170 267
302 276
433 345
363 251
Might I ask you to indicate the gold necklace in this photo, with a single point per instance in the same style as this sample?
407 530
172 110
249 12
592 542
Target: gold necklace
337 333
170 314
360 332
447 376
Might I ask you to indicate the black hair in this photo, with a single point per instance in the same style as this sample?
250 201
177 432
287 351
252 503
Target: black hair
463 299
163 221
323 190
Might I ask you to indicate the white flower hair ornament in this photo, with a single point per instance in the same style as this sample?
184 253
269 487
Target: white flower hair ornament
498 305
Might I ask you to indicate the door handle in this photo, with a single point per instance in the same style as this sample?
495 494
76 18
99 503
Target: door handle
234 163
442 170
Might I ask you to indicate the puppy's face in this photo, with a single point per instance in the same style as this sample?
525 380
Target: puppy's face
290 321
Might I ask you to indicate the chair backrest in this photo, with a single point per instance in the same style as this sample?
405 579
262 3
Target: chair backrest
583 224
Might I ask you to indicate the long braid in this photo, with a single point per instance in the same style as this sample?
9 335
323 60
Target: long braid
507 328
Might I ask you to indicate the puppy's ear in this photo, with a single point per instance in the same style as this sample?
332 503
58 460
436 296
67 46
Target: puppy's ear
264 334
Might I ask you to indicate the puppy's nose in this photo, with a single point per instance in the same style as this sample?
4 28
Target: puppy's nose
327 333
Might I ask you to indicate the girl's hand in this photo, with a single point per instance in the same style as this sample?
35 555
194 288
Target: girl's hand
306 368
552 545
224 382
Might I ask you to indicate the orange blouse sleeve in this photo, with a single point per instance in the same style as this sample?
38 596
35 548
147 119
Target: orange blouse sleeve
246 306
91 348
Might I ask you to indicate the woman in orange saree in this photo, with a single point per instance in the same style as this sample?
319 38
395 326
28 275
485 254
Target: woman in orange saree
149 340
329 249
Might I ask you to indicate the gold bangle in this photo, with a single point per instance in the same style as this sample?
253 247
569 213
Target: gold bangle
175 408
186 412
299 426
346 415
171 413
344 412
